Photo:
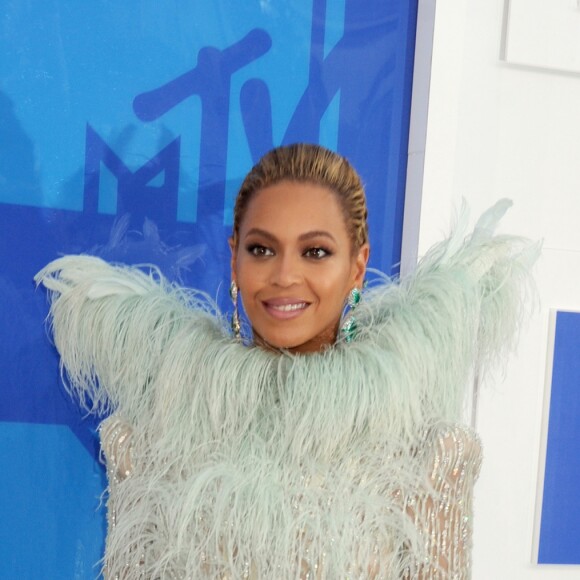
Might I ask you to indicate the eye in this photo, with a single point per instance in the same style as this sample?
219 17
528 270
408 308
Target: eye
317 253
259 251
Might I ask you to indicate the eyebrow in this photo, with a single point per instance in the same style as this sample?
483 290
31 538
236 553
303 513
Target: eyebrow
301 237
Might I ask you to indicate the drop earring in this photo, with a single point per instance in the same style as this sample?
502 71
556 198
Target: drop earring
348 328
235 321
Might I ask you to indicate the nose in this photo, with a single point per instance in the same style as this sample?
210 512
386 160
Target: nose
286 271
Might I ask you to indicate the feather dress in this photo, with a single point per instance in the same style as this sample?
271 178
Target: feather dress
230 461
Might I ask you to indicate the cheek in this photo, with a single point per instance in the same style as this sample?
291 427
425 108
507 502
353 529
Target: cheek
243 271
334 284
249 279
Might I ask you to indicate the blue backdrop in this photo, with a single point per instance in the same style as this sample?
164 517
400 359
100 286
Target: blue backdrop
560 521
125 130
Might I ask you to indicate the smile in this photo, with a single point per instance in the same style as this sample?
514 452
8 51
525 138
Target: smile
289 307
285 310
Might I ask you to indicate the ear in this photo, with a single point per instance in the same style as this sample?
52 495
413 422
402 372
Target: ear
234 258
360 265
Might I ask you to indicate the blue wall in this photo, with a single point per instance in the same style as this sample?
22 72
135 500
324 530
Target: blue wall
125 130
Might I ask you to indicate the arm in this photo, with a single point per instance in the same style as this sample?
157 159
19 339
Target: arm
459 311
443 513
113 326
116 435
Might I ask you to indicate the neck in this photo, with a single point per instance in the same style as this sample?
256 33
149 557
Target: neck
317 344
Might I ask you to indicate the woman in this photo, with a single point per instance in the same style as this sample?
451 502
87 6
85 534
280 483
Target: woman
314 446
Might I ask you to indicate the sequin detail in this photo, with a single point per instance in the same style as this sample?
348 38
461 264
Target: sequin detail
438 508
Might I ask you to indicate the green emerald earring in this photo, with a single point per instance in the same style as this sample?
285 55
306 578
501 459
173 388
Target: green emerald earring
235 321
348 328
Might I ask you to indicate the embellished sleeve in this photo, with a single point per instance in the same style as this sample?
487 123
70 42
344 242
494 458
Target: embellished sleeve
116 437
113 326
442 508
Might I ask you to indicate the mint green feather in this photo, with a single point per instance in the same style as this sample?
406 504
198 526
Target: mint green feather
226 436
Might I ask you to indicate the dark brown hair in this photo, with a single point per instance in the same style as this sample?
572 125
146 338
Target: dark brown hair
304 162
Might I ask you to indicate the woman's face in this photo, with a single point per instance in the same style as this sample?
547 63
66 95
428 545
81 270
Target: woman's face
294 265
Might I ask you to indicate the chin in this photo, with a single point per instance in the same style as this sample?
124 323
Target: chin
285 343
297 344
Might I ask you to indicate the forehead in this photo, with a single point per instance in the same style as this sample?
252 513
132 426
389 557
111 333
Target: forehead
291 206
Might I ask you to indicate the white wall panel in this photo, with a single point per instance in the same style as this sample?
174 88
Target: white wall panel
498 130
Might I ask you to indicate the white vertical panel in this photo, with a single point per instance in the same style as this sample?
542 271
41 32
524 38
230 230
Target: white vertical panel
496 130
417 134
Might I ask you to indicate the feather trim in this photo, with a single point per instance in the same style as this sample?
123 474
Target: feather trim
244 456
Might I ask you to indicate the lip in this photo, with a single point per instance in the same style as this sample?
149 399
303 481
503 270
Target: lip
285 308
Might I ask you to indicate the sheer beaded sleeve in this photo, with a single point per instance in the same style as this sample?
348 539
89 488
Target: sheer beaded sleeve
116 446
443 513
116 436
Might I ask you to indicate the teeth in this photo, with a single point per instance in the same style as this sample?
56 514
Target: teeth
290 307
